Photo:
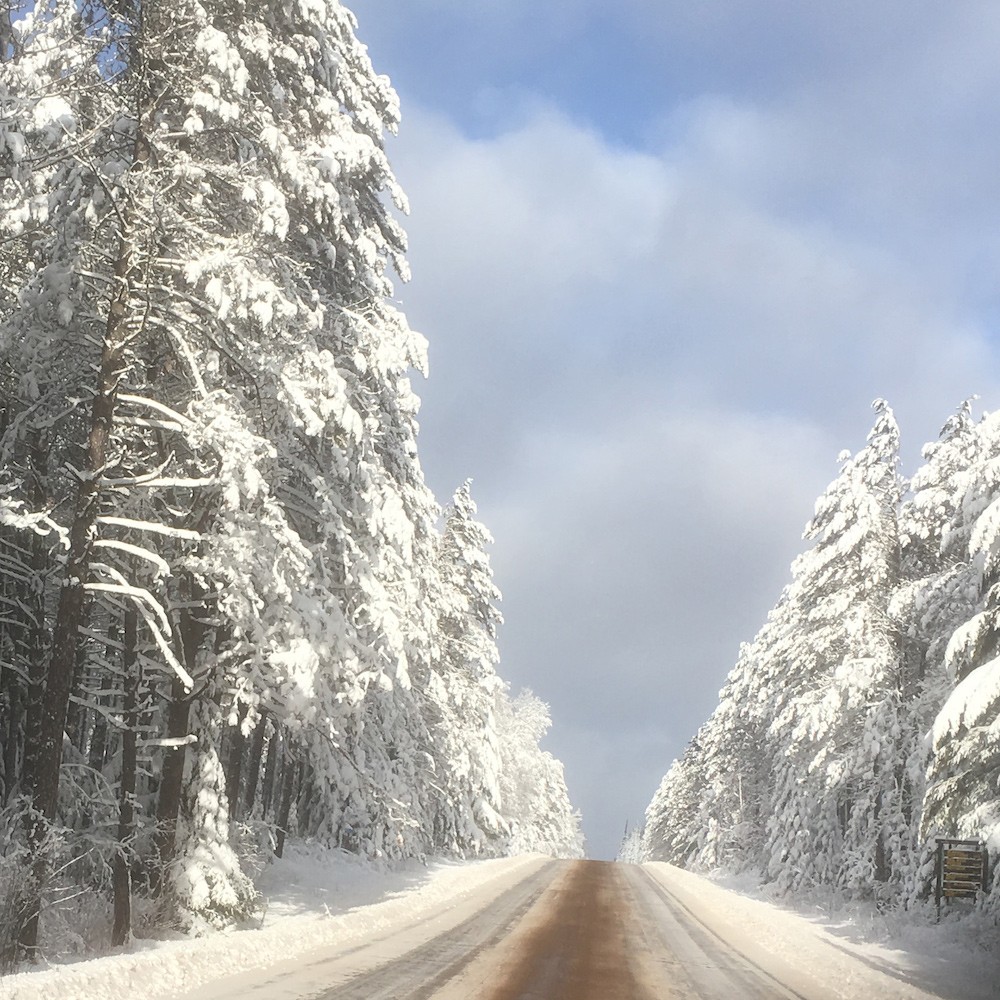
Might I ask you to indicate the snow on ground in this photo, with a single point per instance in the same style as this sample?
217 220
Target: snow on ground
315 899
854 954
318 901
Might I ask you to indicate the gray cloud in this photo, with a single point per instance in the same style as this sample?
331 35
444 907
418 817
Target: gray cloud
633 563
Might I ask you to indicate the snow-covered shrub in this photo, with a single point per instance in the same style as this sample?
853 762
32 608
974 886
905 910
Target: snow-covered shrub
16 887
67 883
207 887
253 842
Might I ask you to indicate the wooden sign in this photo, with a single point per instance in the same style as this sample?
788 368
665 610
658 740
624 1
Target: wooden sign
962 869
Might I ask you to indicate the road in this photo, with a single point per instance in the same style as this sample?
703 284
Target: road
570 930
602 931
537 929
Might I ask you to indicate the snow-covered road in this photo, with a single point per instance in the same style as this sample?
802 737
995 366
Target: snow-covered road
526 928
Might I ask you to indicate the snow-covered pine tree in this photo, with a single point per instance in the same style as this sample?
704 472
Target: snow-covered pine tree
939 590
208 432
208 885
208 344
62 344
836 735
671 831
737 759
464 685
630 848
533 791
794 773
837 807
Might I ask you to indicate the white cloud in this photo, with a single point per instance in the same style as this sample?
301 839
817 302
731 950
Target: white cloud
529 209
558 272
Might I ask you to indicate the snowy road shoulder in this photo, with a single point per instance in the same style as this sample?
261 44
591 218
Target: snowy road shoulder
330 905
815 960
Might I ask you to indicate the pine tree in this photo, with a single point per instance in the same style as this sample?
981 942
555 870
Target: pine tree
208 348
671 832
465 684
207 885
536 802
837 716
220 571
939 591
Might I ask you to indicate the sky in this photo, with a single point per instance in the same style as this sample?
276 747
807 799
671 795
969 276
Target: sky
666 255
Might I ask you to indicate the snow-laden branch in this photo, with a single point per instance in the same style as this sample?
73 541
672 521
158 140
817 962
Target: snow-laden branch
158 407
149 423
170 742
184 348
148 606
159 529
129 590
161 564
145 477
14 515
113 718
155 477
167 482
164 646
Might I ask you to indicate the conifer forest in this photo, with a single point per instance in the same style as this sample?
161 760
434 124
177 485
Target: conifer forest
231 610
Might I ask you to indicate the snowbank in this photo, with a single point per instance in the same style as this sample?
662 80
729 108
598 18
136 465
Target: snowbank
862 954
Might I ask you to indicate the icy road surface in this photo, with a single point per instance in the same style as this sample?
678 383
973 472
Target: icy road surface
530 929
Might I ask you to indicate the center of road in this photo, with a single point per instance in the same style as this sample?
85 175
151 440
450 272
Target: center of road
574 944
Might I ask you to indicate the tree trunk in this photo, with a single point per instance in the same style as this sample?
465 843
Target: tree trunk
288 783
76 713
192 634
11 732
121 874
253 765
34 636
234 763
270 769
69 613
305 799
171 779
